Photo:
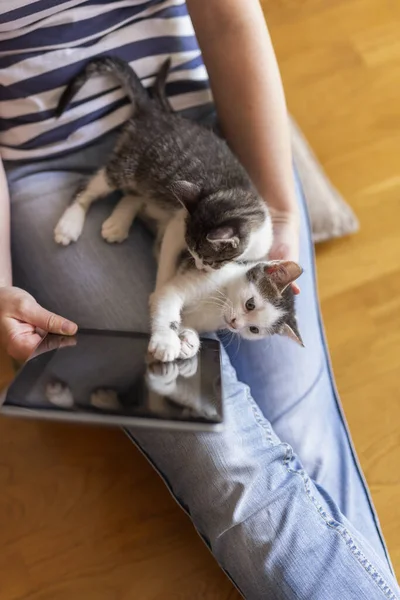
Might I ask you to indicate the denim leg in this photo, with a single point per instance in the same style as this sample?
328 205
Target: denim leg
295 390
99 285
274 531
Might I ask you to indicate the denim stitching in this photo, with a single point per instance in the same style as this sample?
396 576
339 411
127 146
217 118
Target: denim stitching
259 417
329 520
338 403
181 505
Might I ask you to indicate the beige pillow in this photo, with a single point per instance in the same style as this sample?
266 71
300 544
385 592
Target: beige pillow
330 215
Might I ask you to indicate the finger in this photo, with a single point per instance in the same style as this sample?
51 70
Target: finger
280 252
22 346
41 332
295 288
48 321
283 251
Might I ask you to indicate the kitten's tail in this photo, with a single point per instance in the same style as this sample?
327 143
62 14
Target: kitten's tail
107 65
158 91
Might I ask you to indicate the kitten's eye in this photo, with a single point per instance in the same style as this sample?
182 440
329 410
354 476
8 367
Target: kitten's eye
250 304
254 330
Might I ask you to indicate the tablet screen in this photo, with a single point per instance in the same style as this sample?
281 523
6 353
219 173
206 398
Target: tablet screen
106 377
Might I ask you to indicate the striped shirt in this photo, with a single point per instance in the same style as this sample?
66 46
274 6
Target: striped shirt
44 43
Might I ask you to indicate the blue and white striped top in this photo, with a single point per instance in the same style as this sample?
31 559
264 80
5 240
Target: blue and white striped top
44 43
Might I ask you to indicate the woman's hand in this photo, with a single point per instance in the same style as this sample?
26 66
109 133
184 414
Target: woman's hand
286 237
23 322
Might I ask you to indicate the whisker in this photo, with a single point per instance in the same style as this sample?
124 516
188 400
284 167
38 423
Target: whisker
218 300
210 301
238 339
232 337
213 302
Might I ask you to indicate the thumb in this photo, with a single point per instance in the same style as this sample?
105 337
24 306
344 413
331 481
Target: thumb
48 321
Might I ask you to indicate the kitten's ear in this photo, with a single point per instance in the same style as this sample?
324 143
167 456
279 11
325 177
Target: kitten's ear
283 272
292 333
223 236
186 193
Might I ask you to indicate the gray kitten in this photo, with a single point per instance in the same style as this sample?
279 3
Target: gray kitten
208 215
177 173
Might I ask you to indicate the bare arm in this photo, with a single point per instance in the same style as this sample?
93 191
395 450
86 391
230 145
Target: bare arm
250 101
5 254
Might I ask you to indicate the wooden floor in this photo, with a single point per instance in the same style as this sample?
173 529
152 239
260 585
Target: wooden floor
82 515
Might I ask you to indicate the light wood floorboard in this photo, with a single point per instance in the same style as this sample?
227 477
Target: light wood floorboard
82 514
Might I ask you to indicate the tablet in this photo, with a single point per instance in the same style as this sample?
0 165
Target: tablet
106 377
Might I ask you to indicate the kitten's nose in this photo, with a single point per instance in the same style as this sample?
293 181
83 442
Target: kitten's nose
233 323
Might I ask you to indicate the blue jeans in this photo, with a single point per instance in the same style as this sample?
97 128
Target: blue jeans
278 496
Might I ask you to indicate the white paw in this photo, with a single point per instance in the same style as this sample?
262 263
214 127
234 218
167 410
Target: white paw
166 371
190 343
105 399
188 367
165 346
69 227
59 394
114 230
161 377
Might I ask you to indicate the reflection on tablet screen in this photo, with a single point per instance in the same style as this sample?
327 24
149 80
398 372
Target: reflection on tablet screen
109 374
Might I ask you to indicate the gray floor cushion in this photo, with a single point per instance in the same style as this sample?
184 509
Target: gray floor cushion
330 215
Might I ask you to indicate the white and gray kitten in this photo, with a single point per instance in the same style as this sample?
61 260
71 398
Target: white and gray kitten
251 301
184 178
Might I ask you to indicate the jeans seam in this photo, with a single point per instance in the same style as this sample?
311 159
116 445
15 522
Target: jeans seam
338 403
347 537
181 505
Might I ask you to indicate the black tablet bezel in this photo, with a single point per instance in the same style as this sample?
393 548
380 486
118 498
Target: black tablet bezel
153 422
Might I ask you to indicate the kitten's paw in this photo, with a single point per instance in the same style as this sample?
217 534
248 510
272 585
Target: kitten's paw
165 346
59 394
190 343
114 230
105 399
188 367
69 227
163 370
161 377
